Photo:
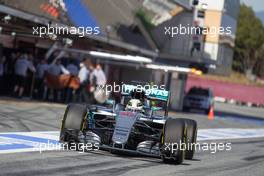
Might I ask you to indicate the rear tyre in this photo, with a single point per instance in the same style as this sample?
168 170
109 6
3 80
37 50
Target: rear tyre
191 138
73 121
174 136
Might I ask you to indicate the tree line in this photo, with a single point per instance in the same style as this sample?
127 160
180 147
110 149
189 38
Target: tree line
249 44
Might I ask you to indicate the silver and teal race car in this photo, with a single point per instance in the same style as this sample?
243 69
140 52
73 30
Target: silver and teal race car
138 125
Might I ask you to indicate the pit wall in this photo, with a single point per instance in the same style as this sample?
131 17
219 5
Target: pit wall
229 92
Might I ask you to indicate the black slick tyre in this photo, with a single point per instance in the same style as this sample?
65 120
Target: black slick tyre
174 137
73 121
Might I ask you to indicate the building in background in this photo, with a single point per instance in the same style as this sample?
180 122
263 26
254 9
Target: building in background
214 51
221 13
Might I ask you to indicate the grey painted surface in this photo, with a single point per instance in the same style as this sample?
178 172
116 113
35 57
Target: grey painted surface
245 158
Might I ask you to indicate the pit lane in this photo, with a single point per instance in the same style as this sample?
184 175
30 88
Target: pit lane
245 158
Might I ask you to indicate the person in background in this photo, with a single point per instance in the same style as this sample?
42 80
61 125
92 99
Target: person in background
56 69
10 77
42 67
10 63
84 81
2 61
73 69
98 76
98 80
32 76
22 65
92 83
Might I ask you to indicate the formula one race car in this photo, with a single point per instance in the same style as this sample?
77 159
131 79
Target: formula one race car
138 125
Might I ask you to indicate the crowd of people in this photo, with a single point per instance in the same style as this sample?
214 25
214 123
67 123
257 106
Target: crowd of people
75 81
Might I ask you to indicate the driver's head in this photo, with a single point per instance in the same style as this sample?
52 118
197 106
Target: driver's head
134 105
138 94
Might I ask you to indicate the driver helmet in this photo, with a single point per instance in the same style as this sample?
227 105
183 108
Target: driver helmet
134 105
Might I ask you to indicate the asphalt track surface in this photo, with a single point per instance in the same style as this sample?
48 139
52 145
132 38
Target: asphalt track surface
245 159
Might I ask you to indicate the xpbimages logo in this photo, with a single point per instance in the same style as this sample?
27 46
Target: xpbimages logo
148 89
212 147
80 147
56 29
173 31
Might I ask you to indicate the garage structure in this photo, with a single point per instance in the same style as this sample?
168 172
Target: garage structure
121 33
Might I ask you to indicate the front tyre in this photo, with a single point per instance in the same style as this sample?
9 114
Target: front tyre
174 137
73 122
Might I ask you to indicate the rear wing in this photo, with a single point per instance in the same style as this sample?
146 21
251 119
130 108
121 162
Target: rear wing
151 93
